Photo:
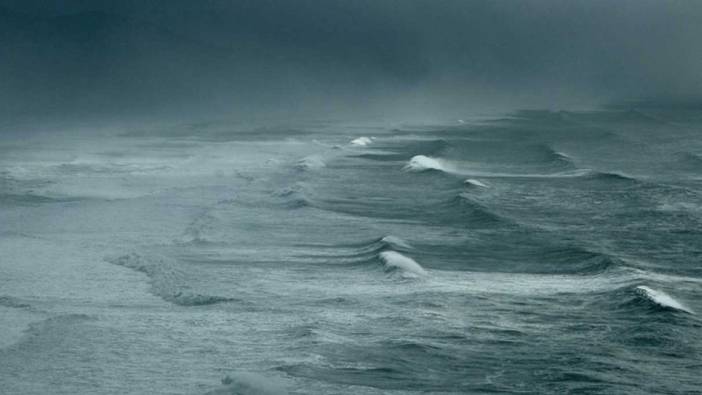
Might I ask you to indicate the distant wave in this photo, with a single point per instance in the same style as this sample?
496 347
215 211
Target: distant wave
361 141
395 261
90 168
423 163
167 282
661 299
608 176
430 148
308 163
475 183
584 174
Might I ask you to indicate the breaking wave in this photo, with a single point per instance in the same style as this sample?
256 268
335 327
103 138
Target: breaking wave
661 299
309 163
395 261
474 183
361 141
361 253
423 163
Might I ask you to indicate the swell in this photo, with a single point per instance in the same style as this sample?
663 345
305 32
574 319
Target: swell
167 281
406 150
576 260
428 164
584 175
383 252
393 253
463 208
519 250
360 253
608 177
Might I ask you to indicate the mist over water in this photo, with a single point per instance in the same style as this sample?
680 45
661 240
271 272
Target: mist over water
327 197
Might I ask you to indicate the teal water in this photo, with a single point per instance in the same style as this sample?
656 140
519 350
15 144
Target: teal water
542 252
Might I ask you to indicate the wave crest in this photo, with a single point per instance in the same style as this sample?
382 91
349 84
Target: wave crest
310 163
361 141
423 163
395 261
475 183
661 299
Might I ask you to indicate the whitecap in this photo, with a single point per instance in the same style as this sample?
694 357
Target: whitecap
661 298
475 182
423 163
361 141
396 261
310 163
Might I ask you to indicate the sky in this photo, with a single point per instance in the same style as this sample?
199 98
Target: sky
142 59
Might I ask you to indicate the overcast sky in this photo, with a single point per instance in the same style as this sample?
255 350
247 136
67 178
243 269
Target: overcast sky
140 58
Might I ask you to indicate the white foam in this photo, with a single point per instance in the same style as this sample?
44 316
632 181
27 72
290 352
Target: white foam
311 163
422 163
395 260
662 299
475 182
361 141
562 155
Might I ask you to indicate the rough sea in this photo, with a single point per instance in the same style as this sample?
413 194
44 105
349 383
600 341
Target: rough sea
536 253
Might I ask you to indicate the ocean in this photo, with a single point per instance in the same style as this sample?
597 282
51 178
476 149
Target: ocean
539 252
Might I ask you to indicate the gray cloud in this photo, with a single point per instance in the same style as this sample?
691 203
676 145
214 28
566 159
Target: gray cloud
183 58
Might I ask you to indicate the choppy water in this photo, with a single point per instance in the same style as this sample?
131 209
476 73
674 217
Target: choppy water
539 253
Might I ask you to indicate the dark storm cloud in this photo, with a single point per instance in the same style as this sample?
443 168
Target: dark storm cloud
124 58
